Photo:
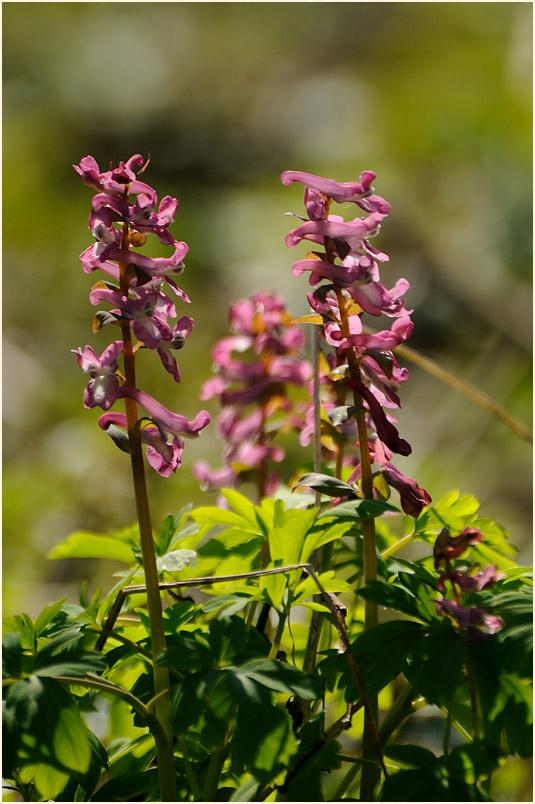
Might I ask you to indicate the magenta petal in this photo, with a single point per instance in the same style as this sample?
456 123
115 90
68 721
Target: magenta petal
413 498
358 228
385 429
340 192
172 422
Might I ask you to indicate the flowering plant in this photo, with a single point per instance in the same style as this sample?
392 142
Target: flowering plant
295 645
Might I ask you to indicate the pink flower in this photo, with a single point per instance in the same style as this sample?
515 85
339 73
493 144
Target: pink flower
113 182
478 623
173 423
448 547
103 387
413 498
349 191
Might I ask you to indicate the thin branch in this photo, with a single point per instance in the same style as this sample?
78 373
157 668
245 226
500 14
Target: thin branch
465 387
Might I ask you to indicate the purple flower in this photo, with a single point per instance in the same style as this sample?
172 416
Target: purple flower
478 623
385 429
386 340
163 455
222 478
448 547
174 341
103 388
351 232
413 498
153 266
349 191
173 423
113 182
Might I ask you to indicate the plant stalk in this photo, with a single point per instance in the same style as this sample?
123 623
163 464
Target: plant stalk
161 674
370 772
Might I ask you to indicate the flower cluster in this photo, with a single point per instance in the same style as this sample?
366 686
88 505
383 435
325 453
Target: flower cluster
138 302
475 620
256 365
346 281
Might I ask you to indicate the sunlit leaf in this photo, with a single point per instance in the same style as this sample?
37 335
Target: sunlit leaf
175 560
84 544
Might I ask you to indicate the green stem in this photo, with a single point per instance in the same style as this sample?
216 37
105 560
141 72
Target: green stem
474 701
398 545
447 727
166 771
370 773
190 774
403 706
278 634
215 767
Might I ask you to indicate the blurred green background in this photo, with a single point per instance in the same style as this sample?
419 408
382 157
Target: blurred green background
435 97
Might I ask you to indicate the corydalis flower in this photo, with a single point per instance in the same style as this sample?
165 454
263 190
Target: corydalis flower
266 338
478 623
360 192
103 387
449 547
347 284
138 303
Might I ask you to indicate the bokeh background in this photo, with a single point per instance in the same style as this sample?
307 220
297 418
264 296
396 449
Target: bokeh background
435 97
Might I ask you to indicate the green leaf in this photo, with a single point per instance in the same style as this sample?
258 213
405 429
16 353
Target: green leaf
231 603
188 702
281 677
175 561
241 505
10 740
393 596
47 615
264 751
341 414
315 756
322 534
329 582
72 663
186 653
274 587
381 653
49 781
22 624
472 761
247 791
326 484
438 661
12 656
70 742
165 535
129 786
287 540
413 756
413 785
211 515
85 544
359 510
25 697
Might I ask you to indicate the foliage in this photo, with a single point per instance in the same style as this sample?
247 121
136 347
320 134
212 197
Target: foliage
269 674
237 713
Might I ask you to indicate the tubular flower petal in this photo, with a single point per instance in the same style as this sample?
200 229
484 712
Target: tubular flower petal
352 232
348 191
173 423
385 429
413 498
164 456
449 547
478 623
